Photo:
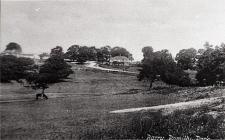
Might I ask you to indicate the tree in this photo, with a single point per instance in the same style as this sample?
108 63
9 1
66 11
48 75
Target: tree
12 46
82 54
57 51
211 65
72 52
186 58
147 52
148 70
104 54
120 51
52 71
92 53
161 63
13 68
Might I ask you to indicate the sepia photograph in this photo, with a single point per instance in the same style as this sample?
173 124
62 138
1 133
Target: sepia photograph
112 69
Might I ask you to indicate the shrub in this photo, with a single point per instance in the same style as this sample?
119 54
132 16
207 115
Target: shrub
13 68
211 66
183 124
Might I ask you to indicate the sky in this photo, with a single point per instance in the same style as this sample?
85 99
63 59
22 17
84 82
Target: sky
39 26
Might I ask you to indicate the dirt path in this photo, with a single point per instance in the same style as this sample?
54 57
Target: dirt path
94 65
168 108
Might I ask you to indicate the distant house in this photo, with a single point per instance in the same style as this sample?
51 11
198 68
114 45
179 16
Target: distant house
14 53
9 52
120 60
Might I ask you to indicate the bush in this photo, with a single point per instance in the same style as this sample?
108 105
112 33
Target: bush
13 68
182 124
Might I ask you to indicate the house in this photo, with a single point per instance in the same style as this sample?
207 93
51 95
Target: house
120 60
14 53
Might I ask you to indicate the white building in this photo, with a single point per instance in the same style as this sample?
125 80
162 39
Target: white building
120 60
26 55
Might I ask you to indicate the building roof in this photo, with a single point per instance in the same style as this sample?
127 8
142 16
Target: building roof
119 59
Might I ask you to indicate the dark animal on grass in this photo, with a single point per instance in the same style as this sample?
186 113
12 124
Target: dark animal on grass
41 95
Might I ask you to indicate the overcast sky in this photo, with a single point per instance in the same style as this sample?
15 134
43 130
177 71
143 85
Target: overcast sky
39 26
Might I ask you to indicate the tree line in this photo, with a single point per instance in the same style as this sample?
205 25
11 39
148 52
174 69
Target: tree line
209 63
82 54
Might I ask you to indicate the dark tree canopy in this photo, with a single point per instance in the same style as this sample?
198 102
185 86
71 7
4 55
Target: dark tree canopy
211 65
104 54
161 63
57 51
72 52
92 53
120 51
52 71
12 46
82 55
147 51
186 58
56 69
13 68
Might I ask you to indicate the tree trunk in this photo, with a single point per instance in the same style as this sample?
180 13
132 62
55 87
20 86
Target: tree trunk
150 85
43 93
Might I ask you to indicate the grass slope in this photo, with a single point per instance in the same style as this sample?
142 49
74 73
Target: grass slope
84 116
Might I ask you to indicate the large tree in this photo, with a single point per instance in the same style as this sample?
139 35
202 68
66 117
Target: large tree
120 51
161 64
211 65
148 71
14 68
72 52
104 54
147 52
12 46
186 58
82 55
52 71
57 51
92 53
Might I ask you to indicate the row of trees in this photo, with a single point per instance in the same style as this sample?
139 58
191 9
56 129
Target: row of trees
84 53
208 62
80 53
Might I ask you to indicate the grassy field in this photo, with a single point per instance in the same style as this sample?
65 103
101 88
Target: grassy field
83 113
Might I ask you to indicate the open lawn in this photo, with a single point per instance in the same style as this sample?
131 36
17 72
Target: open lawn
82 109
